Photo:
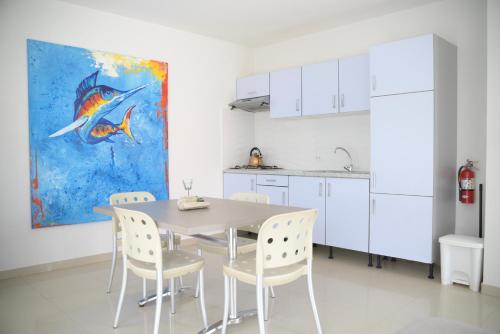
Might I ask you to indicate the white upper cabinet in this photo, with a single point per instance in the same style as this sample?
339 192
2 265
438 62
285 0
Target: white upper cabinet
403 66
402 144
285 91
354 85
309 192
235 183
252 86
320 87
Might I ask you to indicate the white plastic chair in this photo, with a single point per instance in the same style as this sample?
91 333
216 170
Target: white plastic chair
143 254
284 254
127 198
245 245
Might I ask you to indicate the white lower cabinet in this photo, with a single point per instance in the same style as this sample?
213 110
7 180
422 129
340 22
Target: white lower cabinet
277 195
309 192
401 226
347 213
235 183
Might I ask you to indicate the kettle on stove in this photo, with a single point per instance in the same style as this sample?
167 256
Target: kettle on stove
255 157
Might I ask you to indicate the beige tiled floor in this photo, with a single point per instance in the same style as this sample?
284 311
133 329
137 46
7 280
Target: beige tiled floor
351 297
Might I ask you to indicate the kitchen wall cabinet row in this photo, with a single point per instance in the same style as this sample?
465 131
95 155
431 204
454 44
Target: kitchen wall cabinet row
339 85
335 86
342 203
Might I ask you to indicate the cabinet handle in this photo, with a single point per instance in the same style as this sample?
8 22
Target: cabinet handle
252 185
374 82
297 102
252 93
329 186
373 206
270 180
342 100
334 101
320 190
283 198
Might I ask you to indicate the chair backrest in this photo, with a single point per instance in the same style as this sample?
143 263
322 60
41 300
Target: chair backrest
251 197
127 198
285 239
140 236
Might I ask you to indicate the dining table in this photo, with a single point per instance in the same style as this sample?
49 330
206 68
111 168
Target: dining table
221 214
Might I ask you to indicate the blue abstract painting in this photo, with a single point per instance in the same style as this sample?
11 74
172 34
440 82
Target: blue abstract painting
97 126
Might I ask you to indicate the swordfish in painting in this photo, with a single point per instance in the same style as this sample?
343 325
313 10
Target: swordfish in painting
98 125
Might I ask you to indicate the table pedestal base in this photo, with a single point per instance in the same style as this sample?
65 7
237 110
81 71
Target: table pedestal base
166 293
216 326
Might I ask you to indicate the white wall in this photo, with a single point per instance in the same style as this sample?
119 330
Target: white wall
492 217
202 73
308 144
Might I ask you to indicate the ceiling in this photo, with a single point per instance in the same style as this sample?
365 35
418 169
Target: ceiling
251 22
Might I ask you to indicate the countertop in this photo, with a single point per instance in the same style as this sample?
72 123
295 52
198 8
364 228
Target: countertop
294 172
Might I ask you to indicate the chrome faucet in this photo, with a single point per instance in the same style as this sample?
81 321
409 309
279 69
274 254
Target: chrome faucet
349 166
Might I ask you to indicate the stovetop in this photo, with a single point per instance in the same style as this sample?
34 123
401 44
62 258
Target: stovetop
255 167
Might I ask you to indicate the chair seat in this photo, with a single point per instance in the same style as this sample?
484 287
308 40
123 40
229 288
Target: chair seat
244 269
245 245
175 263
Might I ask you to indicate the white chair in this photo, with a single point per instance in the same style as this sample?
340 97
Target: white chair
284 254
127 198
245 245
143 254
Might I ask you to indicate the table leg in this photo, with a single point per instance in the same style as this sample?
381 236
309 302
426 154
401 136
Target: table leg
235 317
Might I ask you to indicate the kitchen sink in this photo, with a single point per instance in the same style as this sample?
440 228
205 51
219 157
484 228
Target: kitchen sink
335 171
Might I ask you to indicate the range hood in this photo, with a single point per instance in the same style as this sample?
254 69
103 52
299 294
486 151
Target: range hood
253 104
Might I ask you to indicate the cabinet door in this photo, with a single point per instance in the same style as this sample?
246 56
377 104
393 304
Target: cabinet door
285 91
309 192
277 195
402 149
252 86
320 88
347 213
403 66
401 226
354 85
234 183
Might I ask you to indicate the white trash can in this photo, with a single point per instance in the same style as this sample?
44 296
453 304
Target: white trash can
461 260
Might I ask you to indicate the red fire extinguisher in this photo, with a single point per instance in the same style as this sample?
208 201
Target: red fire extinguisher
466 182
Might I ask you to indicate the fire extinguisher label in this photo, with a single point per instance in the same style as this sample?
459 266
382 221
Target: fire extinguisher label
467 184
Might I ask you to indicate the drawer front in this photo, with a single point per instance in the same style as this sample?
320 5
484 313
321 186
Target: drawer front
273 180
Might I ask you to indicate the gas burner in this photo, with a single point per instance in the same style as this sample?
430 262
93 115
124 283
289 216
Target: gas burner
255 167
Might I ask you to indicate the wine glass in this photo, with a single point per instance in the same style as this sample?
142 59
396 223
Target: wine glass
188 184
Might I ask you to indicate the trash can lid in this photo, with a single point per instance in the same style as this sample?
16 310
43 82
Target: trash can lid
462 241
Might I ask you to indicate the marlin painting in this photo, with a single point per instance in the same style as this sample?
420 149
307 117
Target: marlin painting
92 103
118 137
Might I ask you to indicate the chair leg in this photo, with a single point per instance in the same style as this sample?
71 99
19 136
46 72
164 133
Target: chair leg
260 305
266 303
312 299
273 295
172 295
159 292
202 299
113 263
226 305
144 288
122 293
197 293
